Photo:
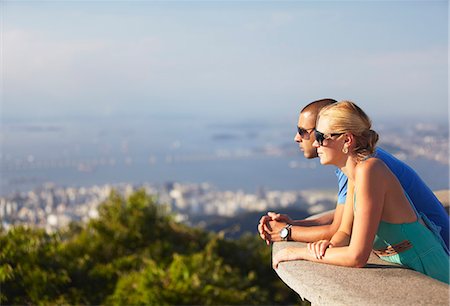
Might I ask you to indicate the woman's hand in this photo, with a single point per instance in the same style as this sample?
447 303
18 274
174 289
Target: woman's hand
288 254
282 255
318 248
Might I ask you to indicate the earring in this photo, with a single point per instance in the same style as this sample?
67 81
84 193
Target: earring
345 150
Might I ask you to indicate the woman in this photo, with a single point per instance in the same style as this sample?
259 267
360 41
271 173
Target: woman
377 214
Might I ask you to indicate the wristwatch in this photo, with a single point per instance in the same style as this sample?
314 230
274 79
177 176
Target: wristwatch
285 232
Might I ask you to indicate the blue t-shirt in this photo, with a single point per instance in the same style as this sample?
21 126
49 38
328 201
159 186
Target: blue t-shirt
420 194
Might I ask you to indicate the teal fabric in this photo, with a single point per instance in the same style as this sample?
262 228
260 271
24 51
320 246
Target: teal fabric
423 199
427 254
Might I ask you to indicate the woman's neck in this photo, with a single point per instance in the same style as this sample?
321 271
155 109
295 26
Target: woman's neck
349 167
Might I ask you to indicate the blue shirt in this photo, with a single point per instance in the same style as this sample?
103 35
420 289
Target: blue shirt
420 194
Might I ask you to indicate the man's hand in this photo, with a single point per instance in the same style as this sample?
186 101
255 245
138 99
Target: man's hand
270 225
280 217
263 224
273 229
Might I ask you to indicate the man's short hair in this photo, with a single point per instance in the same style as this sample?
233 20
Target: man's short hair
315 106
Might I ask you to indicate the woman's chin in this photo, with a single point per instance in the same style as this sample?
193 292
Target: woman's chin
323 161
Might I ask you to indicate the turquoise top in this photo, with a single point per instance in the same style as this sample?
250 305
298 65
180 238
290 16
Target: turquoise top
422 198
427 254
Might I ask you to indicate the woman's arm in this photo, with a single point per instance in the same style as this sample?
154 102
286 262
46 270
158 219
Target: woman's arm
370 193
339 256
371 189
342 235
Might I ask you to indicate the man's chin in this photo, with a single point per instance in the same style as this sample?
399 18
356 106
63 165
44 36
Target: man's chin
309 155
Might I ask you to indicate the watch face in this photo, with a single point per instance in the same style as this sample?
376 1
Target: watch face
284 233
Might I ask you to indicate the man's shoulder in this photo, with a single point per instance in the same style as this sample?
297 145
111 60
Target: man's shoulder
339 173
385 156
380 153
394 164
342 179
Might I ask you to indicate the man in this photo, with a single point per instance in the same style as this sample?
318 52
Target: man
276 227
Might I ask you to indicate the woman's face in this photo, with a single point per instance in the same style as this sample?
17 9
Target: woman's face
330 151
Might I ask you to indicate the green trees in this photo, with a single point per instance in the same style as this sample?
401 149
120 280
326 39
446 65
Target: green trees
31 268
134 253
201 278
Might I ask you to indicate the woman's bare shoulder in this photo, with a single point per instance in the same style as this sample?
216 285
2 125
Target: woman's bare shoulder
372 167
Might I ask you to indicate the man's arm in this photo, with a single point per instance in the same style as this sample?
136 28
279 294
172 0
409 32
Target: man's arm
325 219
307 232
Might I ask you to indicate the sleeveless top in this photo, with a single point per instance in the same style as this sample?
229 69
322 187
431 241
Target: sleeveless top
413 245
422 198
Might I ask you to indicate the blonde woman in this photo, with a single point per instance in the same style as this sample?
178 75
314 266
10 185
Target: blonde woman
378 215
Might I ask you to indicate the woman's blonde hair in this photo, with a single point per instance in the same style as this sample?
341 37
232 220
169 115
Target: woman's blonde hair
347 117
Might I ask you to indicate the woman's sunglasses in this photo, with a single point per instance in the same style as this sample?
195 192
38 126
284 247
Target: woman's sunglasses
320 137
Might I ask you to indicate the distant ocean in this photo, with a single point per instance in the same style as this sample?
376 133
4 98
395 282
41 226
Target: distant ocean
244 156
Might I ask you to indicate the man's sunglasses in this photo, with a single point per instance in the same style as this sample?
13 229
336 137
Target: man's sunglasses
320 137
303 132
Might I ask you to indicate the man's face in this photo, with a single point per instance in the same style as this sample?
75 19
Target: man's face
306 122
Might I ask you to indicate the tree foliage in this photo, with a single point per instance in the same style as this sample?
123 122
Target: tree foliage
136 254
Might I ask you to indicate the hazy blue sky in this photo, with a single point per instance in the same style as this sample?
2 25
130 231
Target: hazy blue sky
247 59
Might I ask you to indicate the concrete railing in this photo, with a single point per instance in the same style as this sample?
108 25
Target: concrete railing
378 283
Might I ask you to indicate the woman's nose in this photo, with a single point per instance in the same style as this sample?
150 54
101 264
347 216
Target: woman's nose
315 144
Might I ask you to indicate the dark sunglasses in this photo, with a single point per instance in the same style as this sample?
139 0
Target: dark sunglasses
320 137
303 132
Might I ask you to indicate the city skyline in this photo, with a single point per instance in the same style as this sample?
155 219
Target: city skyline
215 59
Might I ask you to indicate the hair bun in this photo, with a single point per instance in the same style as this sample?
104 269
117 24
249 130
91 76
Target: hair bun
366 144
373 136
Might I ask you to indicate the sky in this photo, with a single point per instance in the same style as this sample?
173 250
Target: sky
221 59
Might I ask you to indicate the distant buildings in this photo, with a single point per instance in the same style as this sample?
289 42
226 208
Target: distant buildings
52 207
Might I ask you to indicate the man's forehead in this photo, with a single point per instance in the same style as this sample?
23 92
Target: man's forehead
307 117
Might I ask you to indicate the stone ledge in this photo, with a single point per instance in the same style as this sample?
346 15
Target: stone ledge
378 283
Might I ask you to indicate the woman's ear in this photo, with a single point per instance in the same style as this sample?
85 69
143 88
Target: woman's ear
349 139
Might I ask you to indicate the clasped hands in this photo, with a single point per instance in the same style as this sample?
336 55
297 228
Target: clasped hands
269 228
270 225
